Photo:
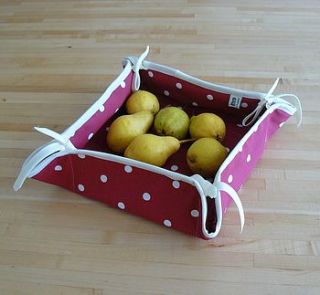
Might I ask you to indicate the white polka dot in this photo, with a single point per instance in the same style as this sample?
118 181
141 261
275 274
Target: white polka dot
58 168
123 84
146 196
179 85
104 178
248 158
150 74
230 178
244 105
81 156
81 187
166 93
174 167
128 169
195 104
281 124
90 136
121 205
227 149
195 213
239 125
167 222
209 97
116 110
107 128
101 109
176 184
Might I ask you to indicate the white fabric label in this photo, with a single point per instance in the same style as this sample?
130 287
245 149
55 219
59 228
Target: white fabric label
235 101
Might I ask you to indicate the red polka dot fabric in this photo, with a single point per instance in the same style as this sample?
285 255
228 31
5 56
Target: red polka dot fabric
170 202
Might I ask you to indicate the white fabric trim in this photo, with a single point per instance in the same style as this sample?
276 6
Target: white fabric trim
147 65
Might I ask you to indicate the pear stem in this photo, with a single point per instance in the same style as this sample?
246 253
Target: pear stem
187 140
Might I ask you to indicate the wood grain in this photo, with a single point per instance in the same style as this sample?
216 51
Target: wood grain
56 58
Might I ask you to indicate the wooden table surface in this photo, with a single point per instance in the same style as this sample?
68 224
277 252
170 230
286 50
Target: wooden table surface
57 57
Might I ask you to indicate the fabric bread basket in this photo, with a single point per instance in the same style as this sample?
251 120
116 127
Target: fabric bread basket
78 160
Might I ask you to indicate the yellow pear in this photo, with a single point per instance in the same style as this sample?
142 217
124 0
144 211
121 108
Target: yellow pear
205 156
125 128
207 125
172 121
142 100
152 149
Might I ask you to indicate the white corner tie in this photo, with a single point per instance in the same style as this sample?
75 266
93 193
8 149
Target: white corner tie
136 78
279 99
60 143
211 190
250 119
271 99
222 186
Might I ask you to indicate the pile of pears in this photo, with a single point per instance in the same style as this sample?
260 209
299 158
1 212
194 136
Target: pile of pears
128 134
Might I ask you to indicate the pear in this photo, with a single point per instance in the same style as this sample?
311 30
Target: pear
152 149
205 156
172 121
125 128
142 100
207 125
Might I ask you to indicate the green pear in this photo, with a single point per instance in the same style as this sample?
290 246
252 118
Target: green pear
172 121
125 128
152 149
205 156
